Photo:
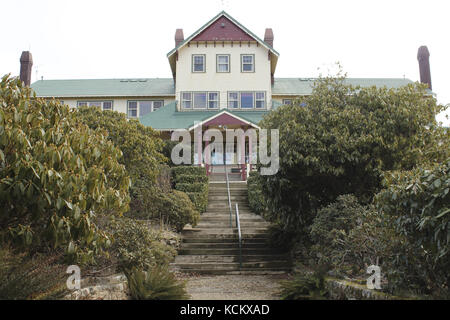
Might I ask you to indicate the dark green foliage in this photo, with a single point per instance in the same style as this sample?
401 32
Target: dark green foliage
418 204
192 187
140 146
256 200
305 287
281 239
184 178
349 237
341 142
135 245
190 178
57 176
156 284
191 170
24 278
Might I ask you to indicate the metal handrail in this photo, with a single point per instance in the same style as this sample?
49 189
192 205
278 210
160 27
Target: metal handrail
229 198
238 226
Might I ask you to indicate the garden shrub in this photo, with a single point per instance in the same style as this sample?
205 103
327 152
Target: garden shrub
57 176
305 286
418 204
256 199
23 277
348 237
141 148
135 245
184 179
341 141
158 283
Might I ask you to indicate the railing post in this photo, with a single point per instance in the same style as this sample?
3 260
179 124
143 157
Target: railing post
238 225
229 198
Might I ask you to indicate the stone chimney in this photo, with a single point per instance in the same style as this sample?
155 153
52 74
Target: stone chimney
423 55
26 62
179 37
268 37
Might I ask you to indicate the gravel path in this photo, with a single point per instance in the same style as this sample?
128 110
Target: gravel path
233 287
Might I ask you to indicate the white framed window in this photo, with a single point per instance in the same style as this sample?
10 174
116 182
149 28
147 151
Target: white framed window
213 100
143 107
247 63
186 100
260 100
105 105
199 100
132 109
233 100
223 63
287 101
198 63
247 100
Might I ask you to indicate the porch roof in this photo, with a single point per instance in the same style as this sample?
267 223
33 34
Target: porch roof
168 118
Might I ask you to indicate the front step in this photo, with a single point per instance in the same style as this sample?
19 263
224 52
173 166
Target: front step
212 247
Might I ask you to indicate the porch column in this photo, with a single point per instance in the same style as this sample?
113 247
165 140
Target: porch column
242 159
199 147
207 157
250 152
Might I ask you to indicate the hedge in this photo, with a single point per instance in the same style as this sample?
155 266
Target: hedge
191 187
190 178
194 182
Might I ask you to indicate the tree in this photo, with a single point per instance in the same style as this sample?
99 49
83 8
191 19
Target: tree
340 140
56 175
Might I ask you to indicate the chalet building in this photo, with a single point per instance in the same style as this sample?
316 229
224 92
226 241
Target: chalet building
223 75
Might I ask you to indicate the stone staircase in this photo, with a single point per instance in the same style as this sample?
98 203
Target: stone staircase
212 247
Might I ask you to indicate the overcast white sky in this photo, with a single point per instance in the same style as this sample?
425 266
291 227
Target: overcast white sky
72 39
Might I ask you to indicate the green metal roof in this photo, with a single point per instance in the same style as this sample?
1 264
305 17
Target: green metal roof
151 87
168 118
304 86
105 87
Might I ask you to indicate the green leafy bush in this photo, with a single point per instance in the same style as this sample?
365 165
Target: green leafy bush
141 147
341 141
135 245
190 170
190 178
348 237
184 178
418 204
156 284
192 187
256 200
31 278
57 175
305 286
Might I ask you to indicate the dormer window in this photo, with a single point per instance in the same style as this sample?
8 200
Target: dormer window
247 63
223 63
198 63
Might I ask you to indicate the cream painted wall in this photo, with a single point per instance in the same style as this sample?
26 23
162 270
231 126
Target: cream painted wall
235 80
118 104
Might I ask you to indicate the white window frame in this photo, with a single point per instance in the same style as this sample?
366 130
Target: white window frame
86 103
138 109
252 64
263 99
192 102
233 100
218 64
204 63
183 100
285 101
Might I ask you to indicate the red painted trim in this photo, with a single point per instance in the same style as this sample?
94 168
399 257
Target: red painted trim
226 32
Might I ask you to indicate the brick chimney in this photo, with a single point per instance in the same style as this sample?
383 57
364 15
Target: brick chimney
179 37
423 55
268 37
26 62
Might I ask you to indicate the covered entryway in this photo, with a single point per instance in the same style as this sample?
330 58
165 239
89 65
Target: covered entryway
234 157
